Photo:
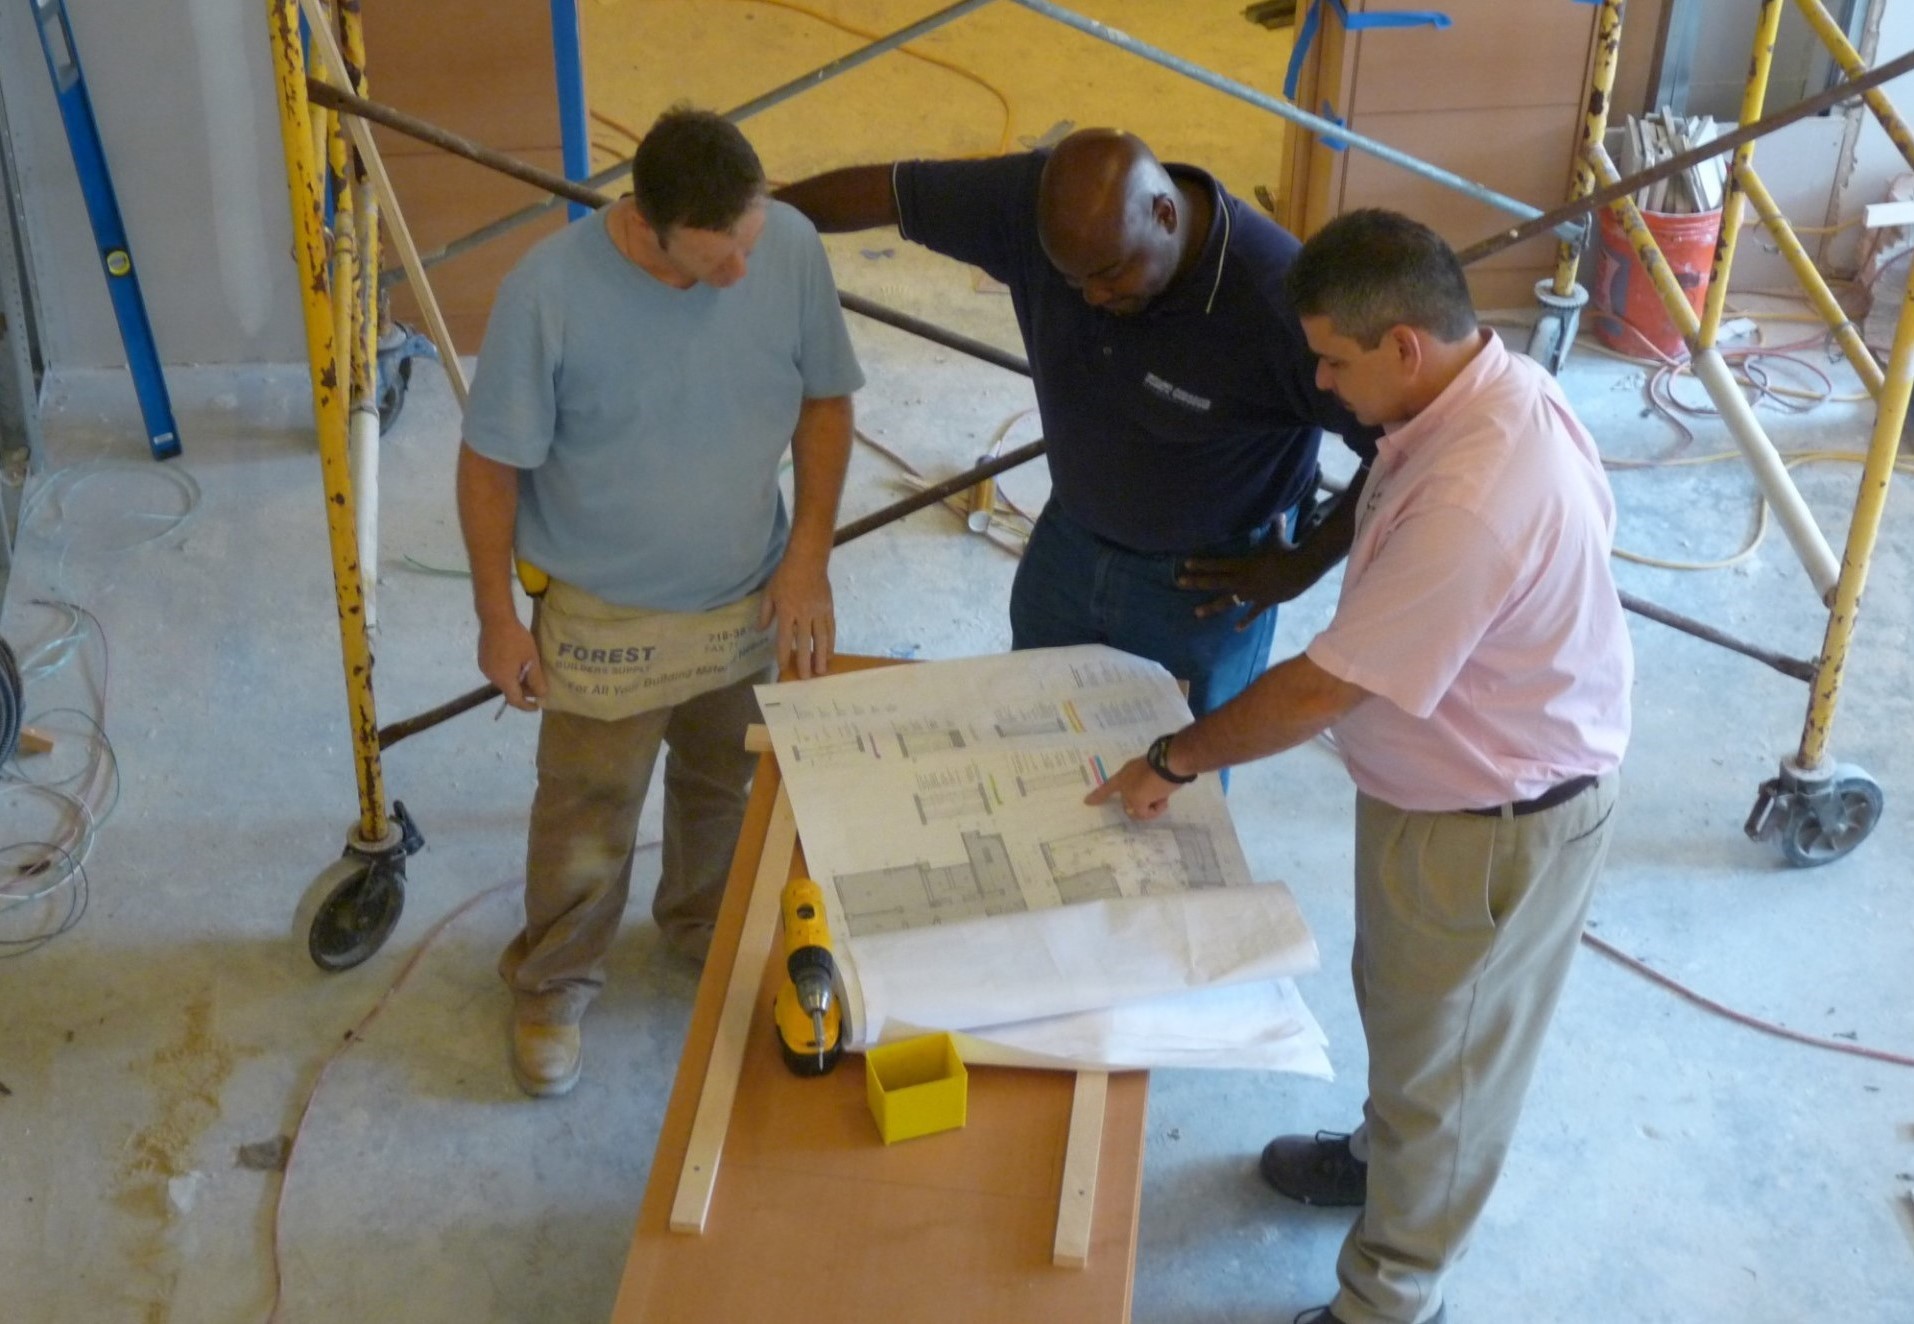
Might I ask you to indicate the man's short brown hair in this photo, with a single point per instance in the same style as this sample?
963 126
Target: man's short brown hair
695 170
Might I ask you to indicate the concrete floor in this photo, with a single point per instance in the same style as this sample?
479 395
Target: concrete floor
1672 1166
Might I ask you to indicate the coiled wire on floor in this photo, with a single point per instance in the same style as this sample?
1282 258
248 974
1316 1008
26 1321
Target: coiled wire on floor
12 697
44 888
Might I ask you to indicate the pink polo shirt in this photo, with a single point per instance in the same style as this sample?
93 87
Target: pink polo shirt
1477 607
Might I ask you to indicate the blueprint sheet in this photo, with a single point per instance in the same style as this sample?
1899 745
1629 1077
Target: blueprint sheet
970 888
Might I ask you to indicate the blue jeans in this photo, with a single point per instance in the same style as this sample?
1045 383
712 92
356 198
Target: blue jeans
1072 587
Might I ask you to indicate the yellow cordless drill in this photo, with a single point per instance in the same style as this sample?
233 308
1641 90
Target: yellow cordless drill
810 1027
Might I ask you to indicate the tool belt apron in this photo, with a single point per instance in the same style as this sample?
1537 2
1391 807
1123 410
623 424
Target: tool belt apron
609 662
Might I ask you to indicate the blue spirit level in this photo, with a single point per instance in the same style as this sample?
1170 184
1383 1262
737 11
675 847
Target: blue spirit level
109 232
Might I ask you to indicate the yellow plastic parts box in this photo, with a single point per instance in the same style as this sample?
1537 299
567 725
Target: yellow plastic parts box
915 1087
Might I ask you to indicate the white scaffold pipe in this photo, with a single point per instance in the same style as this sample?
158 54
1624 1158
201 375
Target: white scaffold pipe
1817 558
363 457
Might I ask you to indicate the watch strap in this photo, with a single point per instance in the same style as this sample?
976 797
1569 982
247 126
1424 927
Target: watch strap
1158 758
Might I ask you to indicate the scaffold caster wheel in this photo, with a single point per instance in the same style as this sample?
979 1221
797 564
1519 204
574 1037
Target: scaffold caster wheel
397 348
1816 819
392 389
1553 335
350 909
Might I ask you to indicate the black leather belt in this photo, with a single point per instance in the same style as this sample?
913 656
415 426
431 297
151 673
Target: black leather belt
1559 794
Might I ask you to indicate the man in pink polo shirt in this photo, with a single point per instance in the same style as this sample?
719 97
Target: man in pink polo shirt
1476 676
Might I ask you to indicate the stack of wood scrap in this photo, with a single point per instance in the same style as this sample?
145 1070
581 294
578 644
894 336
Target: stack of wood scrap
1655 138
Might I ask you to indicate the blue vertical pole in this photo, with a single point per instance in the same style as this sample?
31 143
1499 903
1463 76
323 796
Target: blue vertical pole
574 127
325 176
109 231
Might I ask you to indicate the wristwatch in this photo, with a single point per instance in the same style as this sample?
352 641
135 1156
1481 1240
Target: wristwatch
1158 757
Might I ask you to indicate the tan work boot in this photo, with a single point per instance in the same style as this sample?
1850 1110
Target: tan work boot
546 1058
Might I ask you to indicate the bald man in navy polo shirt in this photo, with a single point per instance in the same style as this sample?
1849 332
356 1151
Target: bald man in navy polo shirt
1177 392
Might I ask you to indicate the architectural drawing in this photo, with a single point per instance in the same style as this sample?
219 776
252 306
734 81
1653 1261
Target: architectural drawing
882 900
941 810
1146 860
929 795
1103 864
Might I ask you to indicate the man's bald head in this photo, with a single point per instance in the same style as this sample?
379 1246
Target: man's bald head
1111 219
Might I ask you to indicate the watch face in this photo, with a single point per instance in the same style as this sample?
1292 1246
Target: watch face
1158 759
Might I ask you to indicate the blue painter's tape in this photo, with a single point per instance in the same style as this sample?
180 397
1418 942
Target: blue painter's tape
1306 33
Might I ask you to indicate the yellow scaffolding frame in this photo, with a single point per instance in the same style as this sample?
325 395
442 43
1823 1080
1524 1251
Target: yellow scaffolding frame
355 902
1815 809
1819 810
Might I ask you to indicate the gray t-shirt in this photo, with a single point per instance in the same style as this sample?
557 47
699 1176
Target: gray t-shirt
648 422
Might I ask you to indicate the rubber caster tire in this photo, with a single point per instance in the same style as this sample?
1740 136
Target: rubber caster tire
392 392
348 911
1808 843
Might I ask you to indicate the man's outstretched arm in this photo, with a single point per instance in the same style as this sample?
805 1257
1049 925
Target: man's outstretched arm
1290 703
855 198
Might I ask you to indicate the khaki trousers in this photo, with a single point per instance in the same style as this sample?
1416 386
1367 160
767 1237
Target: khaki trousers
1465 929
592 779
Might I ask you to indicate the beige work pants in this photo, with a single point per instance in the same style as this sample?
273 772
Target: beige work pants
592 779
1465 930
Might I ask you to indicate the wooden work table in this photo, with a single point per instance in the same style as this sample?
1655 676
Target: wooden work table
812 1217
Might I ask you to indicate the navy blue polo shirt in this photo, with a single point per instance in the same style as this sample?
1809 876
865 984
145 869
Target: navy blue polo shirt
1170 430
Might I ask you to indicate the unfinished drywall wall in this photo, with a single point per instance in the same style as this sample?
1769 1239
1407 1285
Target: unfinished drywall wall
1719 70
183 94
1876 160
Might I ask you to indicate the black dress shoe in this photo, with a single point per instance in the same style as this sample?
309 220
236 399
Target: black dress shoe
1324 1315
1316 1170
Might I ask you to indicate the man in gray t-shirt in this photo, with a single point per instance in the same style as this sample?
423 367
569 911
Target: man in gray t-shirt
643 372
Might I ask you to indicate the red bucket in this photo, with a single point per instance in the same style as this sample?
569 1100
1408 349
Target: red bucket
1627 309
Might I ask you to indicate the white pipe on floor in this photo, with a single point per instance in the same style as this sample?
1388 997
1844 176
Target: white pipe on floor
363 457
1796 520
